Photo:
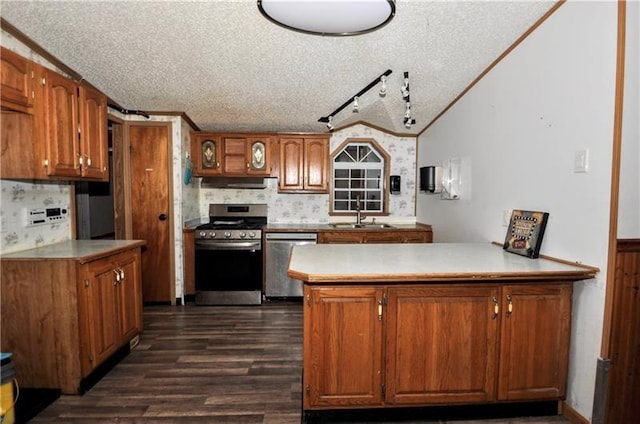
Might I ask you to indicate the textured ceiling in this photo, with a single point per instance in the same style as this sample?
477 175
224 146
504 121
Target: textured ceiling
228 68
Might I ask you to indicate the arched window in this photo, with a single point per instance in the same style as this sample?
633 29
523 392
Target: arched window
360 170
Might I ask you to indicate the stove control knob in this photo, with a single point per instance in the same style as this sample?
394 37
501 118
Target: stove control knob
227 234
213 235
203 234
252 234
243 234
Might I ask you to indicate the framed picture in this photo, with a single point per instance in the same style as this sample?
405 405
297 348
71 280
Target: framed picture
525 232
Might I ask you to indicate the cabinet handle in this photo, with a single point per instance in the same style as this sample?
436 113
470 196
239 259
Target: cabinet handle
121 274
380 310
88 161
117 280
45 163
509 306
496 307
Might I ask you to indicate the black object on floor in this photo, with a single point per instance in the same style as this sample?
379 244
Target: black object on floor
434 413
31 402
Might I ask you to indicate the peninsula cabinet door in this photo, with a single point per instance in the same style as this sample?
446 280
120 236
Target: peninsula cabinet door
130 296
534 349
441 344
98 313
342 347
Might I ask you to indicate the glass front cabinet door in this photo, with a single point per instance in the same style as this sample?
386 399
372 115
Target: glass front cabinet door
258 156
207 151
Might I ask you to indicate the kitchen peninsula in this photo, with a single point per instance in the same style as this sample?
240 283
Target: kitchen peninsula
68 307
432 324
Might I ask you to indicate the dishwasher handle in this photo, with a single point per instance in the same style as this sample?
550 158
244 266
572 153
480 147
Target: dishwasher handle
293 237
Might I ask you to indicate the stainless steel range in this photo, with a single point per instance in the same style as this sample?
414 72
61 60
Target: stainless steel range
228 252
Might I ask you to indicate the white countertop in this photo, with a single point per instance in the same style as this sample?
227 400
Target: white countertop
423 262
81 250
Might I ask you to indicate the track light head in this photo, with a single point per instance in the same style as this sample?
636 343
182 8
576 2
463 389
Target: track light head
330 124
383 87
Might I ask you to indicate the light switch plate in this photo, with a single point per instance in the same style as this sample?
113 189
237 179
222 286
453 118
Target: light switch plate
580 161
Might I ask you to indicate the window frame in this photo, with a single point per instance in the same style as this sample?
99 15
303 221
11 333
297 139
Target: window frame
373 144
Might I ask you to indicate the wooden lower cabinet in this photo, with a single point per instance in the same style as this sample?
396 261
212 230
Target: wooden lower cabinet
62 318
375 236
534 349
344 364
443 344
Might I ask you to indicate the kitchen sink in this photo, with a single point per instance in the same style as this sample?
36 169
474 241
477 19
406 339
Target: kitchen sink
352 225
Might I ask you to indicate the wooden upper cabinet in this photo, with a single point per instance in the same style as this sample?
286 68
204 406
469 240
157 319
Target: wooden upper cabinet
231 155
61 121
64 133
93 133
16 91
441 344
316 164
206 151
76 129
234 156
304 164
291 164
259 156
343 361
534 347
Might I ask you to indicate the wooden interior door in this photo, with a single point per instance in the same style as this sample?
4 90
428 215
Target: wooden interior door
149 146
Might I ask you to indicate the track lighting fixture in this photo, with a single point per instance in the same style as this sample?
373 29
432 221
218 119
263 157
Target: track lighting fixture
354 99
405 87
408 122
383 86
330 124
407 111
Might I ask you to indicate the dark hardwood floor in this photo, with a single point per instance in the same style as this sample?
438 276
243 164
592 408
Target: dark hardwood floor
199 364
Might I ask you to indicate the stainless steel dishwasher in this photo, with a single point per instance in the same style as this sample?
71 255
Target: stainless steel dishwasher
278 250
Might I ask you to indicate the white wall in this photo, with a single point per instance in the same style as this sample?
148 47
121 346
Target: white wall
629 203
517 131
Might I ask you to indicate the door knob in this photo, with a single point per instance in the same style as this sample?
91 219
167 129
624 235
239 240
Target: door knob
162 217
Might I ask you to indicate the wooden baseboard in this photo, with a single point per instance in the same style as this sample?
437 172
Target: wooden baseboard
572 415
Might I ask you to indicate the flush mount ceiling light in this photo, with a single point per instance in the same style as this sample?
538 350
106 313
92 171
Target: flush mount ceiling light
329 17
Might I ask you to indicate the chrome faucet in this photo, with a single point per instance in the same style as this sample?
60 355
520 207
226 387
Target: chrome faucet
359 216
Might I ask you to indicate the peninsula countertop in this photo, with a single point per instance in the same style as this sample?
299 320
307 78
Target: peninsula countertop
396 263
80 250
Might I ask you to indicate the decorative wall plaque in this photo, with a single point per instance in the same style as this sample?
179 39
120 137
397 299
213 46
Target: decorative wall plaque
525 232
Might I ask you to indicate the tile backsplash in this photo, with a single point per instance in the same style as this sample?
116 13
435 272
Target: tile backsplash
16 198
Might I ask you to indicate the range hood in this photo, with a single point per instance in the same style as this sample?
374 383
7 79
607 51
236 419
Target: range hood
233 182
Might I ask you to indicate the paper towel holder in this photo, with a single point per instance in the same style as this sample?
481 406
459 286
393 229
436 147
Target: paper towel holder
431 179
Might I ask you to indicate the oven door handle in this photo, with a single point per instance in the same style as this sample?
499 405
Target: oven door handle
245 245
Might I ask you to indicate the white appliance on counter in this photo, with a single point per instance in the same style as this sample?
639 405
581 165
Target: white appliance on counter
278 250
